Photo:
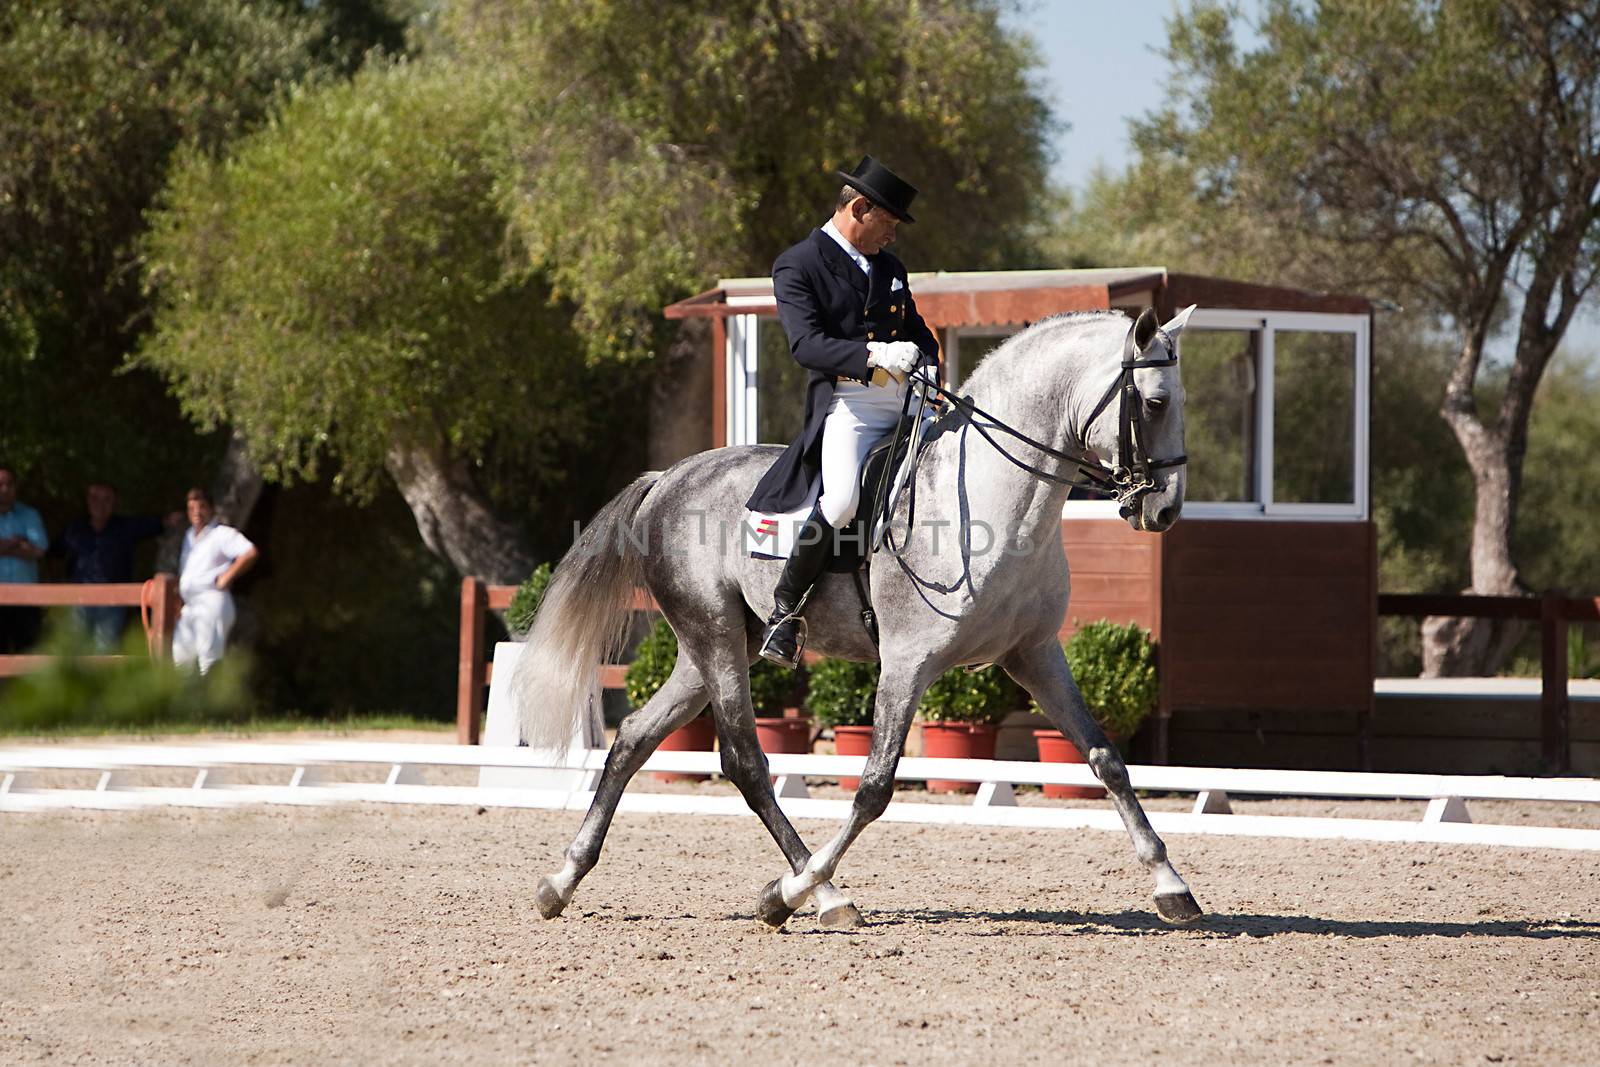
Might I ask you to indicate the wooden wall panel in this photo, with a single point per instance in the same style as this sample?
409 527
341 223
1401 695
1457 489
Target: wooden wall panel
1114 574
1271 616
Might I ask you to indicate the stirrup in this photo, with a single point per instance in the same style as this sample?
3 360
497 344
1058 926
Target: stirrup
768 652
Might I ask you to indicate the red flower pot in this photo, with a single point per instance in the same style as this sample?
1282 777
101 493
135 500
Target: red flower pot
957 740
852 741
698 735
785 735
1055 748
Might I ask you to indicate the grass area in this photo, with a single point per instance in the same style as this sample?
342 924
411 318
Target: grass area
289 722
77 695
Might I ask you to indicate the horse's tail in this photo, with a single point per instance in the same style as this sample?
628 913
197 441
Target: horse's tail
582 622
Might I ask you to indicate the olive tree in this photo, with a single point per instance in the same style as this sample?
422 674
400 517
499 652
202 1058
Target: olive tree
342 291
1453 147
651 147
95 98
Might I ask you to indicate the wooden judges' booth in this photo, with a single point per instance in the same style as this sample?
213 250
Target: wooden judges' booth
1263 596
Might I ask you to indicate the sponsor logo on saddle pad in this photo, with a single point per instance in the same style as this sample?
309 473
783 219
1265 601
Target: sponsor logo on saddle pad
772 536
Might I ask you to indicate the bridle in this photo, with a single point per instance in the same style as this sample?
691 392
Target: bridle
1130 477
1126 481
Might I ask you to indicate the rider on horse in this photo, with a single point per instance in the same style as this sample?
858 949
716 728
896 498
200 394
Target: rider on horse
847 309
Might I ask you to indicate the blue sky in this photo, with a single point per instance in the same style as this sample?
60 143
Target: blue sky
1101 67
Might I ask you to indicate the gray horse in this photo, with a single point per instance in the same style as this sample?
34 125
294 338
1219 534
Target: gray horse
979 577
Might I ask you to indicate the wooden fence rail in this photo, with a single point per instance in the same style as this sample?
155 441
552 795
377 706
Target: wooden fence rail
1554 610
159 594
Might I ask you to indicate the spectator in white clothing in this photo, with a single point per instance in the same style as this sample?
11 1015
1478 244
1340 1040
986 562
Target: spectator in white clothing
213 557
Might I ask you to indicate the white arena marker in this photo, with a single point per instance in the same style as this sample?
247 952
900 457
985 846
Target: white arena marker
790 787
995 795
210 778
1212 802
1447 809
406 774
500 729
307 776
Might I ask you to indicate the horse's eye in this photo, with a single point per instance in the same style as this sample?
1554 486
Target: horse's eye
1155 403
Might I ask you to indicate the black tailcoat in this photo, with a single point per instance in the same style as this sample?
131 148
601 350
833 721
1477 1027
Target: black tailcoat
830 313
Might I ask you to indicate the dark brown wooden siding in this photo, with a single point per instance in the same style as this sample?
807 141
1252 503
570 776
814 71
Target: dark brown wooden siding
1115 574
1271 616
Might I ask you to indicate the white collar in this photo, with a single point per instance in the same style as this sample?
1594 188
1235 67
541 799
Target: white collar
849 249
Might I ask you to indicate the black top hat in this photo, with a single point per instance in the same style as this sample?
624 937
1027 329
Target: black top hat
880 185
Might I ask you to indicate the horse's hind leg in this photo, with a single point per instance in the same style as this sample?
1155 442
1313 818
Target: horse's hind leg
680 699
727 665
900 687
1043 671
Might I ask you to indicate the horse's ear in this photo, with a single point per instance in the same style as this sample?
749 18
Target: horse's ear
1179 321
1144 330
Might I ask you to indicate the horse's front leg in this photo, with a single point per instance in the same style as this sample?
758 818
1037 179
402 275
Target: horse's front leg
1043 672
898 693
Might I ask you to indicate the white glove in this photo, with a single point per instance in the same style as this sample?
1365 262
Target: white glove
896 357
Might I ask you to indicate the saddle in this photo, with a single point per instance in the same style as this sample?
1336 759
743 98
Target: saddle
876 482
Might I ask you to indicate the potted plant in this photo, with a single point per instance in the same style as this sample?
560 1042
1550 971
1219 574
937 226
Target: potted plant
652 665
1115 668
841 696
774 692
526 600
961 713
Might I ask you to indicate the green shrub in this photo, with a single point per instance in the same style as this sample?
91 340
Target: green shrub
773 688
72 692
842 692
983 696
525 603
652 664
1115 668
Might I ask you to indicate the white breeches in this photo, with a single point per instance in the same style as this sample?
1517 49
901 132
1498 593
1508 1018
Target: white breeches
857 418
202 631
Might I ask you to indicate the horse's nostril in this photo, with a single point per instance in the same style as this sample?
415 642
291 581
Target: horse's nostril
1164 517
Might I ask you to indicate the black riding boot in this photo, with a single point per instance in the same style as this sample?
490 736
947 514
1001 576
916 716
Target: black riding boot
813 546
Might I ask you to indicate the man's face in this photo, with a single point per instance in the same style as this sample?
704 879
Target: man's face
199 513
102 503
877 226
8 489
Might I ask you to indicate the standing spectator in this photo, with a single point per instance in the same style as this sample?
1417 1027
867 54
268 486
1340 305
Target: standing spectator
213 557
22 543
99 548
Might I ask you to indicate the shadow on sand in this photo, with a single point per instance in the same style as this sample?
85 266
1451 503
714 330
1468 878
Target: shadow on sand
1239 924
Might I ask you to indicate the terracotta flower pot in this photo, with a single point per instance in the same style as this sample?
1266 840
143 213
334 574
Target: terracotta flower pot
852 741
699 735
957 740
786 735
1055 748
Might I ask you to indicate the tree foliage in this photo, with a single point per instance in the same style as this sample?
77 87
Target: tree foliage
1451 151
651 146
95 96
342 284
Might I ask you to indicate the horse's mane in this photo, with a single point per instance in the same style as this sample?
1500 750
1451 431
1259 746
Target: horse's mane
994 364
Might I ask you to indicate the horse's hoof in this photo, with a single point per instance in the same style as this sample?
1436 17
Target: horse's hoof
1179 909
770 907
841 917
547 900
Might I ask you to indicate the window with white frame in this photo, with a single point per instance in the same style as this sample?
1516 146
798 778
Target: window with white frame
766 388
965 347
1275 416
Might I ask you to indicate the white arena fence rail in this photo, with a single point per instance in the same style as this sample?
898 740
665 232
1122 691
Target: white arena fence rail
311 774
